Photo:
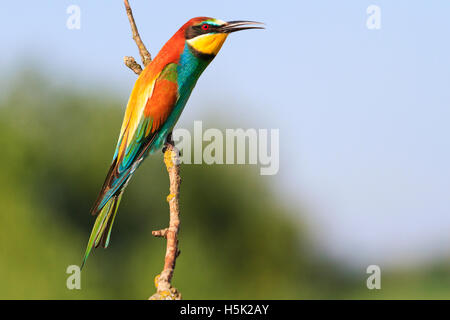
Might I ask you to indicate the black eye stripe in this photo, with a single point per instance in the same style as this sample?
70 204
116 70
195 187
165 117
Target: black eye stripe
197 30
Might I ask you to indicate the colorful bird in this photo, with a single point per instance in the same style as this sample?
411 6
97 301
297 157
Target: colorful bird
155 104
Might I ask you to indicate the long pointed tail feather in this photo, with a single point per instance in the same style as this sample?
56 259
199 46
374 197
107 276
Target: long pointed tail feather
105 207
101 232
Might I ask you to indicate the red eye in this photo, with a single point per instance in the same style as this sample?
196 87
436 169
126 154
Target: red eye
205 27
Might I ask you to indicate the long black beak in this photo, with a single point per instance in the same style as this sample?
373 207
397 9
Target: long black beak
233 26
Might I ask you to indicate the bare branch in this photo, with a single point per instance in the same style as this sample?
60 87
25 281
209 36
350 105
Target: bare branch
164 289
145 55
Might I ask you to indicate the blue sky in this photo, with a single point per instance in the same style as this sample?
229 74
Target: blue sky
363 114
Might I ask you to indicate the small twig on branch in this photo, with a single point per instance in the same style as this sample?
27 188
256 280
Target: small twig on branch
132 64
145 55
160 233
164 289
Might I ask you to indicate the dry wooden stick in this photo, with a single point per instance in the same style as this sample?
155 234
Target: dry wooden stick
145 55
133 65
164 289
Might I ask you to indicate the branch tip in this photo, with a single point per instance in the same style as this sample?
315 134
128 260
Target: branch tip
143 52
131 63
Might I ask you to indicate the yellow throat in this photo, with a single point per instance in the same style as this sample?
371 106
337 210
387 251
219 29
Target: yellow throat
208 43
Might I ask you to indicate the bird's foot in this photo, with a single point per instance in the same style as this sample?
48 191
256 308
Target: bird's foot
169 142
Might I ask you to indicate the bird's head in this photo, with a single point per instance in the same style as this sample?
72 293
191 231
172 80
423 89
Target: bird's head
206 35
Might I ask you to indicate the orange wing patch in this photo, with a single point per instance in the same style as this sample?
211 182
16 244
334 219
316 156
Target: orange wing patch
160 104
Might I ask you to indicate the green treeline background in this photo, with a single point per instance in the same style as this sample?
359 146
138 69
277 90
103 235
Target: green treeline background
239 239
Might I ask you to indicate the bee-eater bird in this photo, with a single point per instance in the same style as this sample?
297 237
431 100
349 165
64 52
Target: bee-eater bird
155 104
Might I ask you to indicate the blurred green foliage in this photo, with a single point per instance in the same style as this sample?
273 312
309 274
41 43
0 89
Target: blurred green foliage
238 239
